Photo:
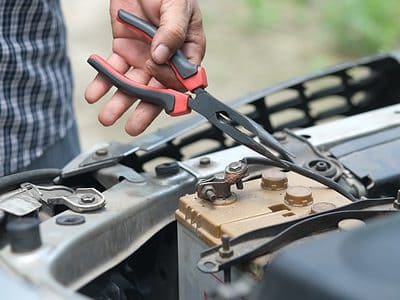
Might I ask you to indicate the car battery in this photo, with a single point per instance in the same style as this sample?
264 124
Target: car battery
274 198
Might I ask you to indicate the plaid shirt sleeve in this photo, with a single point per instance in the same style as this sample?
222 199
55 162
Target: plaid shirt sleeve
36 82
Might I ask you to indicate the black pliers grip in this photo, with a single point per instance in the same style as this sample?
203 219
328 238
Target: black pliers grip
191 76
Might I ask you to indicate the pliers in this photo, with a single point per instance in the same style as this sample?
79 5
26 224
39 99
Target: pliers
193 78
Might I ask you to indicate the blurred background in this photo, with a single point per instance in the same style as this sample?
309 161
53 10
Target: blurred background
251 44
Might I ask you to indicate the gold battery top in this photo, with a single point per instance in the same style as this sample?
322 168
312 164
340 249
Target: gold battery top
275 198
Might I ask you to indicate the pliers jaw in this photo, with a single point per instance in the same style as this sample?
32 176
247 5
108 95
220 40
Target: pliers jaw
229 121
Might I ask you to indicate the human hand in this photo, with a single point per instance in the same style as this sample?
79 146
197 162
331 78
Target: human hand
180 27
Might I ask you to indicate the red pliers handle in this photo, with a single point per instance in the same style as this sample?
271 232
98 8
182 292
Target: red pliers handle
174 102
190 75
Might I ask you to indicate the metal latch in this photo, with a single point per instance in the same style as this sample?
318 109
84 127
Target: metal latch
30 197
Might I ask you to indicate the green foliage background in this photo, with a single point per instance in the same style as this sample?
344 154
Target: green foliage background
352 27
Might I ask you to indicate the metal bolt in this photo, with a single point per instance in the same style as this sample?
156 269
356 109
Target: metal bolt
225 242
225 251
235 166
70 220
209 192
321 166
280 135
88 198
204 161
101 152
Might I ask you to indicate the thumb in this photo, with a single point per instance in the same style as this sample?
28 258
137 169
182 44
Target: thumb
171 34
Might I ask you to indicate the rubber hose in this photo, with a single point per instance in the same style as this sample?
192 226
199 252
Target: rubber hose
13 181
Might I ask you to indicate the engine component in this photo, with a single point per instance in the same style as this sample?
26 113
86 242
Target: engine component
255 207
373 159
310 157
260 203
30 197
108 255
217 189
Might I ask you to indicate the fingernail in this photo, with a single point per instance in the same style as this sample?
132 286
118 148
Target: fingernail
161 54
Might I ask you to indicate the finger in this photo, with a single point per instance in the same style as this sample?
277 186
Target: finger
165 75
100 84
195 44
120 102
174 21
143 115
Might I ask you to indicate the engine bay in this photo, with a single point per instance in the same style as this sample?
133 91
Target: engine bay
214 225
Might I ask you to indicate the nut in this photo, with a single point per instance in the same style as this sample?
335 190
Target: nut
88 198
204 161
101 152
235 166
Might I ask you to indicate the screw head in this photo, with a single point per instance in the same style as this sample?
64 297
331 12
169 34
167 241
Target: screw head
204 161
280 135
88 198
70 220
101 152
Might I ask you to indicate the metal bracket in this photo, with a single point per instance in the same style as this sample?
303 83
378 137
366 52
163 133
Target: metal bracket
219 186
30 197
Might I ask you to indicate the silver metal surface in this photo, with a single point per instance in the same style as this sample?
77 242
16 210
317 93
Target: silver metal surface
75 202
321 136
329 134
110 176
71 256
19 202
